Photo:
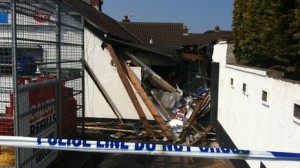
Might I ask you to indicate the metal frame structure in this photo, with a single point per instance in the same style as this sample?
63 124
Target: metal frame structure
41 74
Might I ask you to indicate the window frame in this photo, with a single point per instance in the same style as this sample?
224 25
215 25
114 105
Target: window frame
244 88
232 83
267 101
296 106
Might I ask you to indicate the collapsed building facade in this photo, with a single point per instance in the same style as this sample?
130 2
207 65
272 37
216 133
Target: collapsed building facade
65 65
127 59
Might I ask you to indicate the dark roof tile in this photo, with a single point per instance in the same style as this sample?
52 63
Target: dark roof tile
163 34
207 37
101 21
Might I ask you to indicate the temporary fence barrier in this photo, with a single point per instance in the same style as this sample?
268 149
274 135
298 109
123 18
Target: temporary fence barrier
41 76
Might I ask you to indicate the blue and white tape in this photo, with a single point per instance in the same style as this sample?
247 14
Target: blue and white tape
143 148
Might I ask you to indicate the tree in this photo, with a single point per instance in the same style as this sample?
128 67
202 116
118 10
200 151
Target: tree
267 33
238 24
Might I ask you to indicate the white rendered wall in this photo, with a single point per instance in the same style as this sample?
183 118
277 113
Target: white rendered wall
100 62
250 122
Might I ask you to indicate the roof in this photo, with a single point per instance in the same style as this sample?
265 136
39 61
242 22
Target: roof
207 37
101 21
162 34
166 37
172 34
145 47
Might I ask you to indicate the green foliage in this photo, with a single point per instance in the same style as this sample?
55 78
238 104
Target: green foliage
267 33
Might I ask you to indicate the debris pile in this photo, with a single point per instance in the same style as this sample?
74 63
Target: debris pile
180 116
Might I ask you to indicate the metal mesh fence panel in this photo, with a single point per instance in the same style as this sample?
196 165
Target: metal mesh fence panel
7 157
41 90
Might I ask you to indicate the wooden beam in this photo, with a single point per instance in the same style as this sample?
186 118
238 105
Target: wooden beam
117 130
154 76
154 94
192 118
162 83
146 100
107 124
130 91
202 137
192 57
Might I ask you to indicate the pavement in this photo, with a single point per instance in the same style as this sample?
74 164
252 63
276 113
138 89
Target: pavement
89 160
140 161
102 160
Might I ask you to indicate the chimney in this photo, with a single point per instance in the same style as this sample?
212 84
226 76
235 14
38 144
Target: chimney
151 41
185 31
126 19
97 4
217 28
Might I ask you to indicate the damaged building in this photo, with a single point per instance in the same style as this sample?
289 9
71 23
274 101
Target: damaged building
103 76
152 98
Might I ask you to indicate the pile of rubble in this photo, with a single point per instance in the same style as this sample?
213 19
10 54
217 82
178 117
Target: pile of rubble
185 111
180 116
186 115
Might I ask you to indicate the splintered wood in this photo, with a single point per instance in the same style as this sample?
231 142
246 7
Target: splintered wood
147 101
191 120
130 92
161 128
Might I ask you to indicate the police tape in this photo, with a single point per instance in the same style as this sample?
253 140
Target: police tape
143 148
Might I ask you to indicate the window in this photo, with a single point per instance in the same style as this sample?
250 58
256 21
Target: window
264 96
5 61
5 8
24 55
297 111
245 92
3 18
244 87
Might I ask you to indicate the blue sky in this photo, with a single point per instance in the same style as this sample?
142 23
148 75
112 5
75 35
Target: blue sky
198 15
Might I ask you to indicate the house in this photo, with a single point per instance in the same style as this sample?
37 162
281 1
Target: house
64 37
156 33
209 36
166 37
100 31
45 91
194 50
254 109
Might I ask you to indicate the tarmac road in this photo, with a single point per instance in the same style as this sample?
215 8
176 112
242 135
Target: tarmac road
99 160
96 160
141 161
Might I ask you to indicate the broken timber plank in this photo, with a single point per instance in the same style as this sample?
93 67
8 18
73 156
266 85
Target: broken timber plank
206 130
154 76
161 105
102 90
118 130
146 100
162 83
192 118
107 124
130 91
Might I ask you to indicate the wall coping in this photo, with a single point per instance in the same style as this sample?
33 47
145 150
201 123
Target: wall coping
247 70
